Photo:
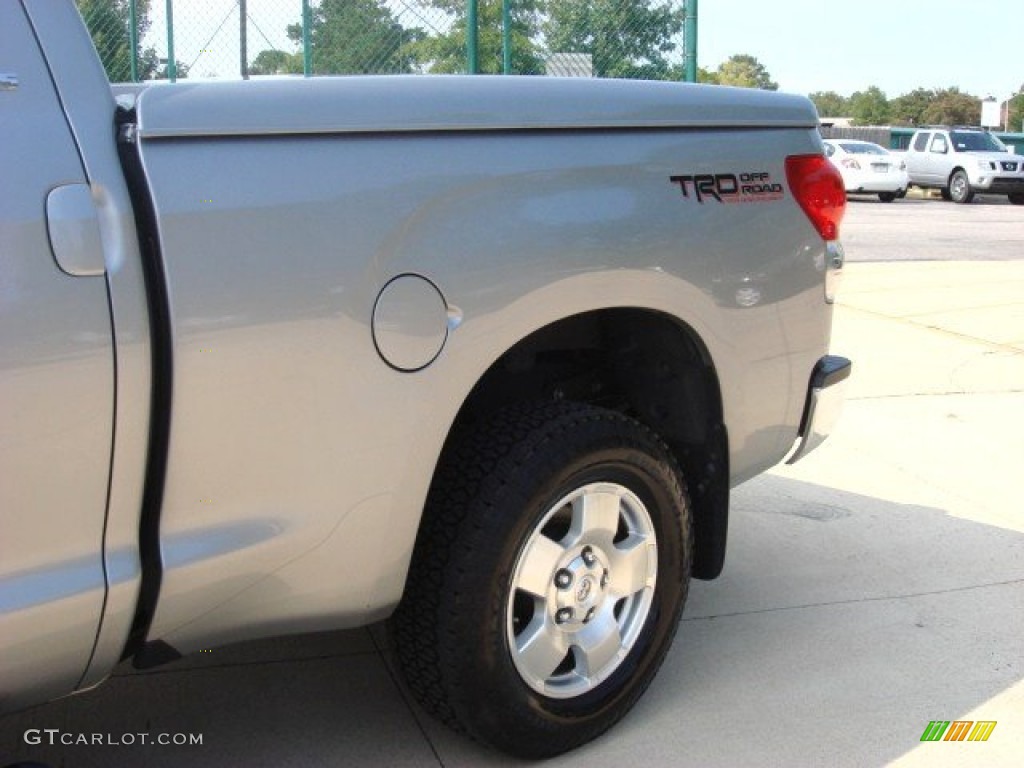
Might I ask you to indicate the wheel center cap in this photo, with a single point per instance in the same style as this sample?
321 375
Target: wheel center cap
584 589
578 589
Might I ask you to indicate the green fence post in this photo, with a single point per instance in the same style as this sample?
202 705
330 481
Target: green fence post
133 38
243 42
690 41
172 66
472 61
506 37
307 50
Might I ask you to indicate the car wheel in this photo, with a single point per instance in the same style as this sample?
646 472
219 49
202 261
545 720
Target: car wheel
1017 198
548 577
960 188
887 197
944 193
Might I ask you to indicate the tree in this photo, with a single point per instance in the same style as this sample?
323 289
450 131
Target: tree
275 62
704 76
909 108
830 104
351 37
747 72
1015 121
108 24
870 107
952 107
625 38
445 52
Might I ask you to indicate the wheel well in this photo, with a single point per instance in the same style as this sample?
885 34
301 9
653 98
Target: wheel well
646 365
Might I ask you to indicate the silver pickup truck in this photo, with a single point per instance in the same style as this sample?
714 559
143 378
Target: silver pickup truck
481 355
961 162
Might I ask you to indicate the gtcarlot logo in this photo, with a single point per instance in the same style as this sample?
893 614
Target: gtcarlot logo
55 736
958 730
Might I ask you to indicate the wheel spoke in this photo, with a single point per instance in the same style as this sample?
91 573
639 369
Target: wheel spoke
539 563
540 649
595 517
597 643
631 567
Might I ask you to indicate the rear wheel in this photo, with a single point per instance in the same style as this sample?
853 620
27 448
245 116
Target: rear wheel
960 188
548 578
1017 198
887 197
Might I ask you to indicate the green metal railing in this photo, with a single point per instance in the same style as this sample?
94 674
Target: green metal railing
170 39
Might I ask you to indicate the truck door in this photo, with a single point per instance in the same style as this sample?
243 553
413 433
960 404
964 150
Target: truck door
937 163
56 385
917 158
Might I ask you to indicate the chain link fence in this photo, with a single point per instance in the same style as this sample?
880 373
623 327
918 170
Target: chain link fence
172 39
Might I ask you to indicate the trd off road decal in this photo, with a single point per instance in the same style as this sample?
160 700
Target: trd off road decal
749 187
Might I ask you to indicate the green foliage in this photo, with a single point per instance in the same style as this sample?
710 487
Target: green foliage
274 62
830 104
704 76
1016 110
870 107
745 71
625 38
108 24
351 37
952 107
922 106
909 108
445 52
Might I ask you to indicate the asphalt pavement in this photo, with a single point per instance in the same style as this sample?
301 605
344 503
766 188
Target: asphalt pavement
872 588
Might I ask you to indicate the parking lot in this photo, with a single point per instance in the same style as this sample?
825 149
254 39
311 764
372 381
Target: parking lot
919 229
874 587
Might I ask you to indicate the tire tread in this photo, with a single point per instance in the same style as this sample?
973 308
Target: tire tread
475 467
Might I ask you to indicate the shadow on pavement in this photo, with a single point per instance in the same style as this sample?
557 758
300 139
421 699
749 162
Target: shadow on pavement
842 625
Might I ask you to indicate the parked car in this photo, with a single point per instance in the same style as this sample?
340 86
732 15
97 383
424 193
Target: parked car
868 168
962 161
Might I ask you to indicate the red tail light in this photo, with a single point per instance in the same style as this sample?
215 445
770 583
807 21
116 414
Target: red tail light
818 188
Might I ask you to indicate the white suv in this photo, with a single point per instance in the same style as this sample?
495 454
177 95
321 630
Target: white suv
963 161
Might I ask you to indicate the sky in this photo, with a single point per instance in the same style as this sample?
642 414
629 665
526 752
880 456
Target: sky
846 46
806 45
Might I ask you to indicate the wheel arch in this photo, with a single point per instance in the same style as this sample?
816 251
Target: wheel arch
968 191
644 363
953 172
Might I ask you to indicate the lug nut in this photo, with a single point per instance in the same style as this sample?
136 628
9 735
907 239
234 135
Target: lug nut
588 556
563 579
563 615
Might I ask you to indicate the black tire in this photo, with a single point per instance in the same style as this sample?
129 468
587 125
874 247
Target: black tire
960 187
944 193
460 622
1017 198
887 197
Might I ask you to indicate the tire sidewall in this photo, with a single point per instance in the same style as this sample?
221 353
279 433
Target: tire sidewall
502 703
959 181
